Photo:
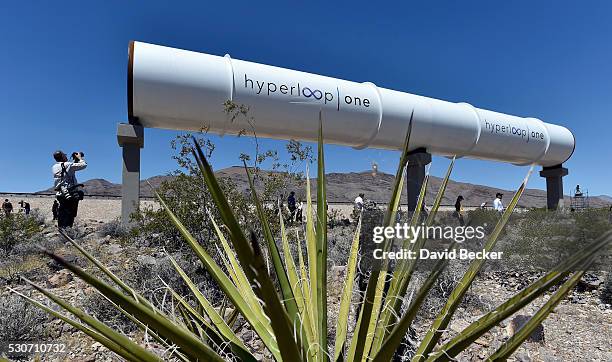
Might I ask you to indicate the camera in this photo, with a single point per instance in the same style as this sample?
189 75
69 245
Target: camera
77 155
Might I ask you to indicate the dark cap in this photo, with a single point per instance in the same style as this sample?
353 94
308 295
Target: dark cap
57 155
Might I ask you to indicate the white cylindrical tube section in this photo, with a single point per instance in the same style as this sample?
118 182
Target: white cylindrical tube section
183 90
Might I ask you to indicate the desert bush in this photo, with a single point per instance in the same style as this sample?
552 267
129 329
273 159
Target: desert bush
147 277
18 228
98 306
185 195
539 239
37 216
447 218
591 223
483 217
114 229
606 292
20 320
335 218
49 242
77 231
10 270
371 217
14 267
339 246
444 286
188 196
25 259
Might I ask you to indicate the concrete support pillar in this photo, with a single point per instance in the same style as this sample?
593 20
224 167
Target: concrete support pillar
417 160
554 185
131 140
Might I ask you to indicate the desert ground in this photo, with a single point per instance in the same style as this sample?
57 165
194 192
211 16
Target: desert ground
580 329
108 209
90 209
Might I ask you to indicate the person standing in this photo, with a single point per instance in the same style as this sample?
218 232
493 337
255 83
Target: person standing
54 209
281 204
497 203
25 206
359 201
298 214
459 210
291 206
65 185
7 207
578 192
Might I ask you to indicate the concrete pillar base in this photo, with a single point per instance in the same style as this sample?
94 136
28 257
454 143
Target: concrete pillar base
131 140
417 160
554 185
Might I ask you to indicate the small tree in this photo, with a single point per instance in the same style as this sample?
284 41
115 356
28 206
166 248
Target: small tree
15 229
187 194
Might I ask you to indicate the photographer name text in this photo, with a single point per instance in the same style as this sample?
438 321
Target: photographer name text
461 254
411 234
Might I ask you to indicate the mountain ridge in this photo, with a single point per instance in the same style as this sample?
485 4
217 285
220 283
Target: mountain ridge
344 187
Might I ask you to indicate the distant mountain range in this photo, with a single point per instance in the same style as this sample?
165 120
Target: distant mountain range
344 187
605 198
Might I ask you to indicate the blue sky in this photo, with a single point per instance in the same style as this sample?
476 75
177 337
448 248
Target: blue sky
63 73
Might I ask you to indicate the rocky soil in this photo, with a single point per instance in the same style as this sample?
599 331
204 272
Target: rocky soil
580 329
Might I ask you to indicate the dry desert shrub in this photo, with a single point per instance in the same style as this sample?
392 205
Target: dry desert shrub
20 320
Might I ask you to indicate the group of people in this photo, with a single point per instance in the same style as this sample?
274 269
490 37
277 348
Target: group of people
65 184
498 206
295 208
7 207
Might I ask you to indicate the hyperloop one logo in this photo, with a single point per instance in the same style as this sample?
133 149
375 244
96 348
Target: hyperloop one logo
317 94
309 94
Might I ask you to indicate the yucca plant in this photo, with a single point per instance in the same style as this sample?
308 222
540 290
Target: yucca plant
286 306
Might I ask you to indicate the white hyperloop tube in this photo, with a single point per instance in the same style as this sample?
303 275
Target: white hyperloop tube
183 90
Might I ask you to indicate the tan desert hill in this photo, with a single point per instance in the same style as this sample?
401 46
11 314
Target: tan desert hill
344 187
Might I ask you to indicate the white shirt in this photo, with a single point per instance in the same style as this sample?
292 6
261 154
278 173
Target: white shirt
359 202
497 204
69 178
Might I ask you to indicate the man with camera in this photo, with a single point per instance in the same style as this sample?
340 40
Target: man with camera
66 186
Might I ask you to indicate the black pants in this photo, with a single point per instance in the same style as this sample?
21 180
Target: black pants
66 212
291 214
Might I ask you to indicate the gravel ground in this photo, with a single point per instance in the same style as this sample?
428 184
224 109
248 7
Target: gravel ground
574 332
105 210
580 329
90 209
